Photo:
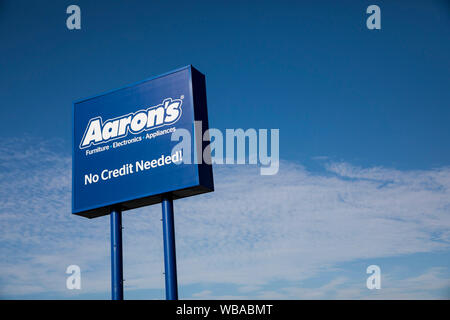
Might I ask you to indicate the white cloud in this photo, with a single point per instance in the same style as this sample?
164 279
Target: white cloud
253 230
434 283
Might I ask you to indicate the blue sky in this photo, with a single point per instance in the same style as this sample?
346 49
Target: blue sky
363 116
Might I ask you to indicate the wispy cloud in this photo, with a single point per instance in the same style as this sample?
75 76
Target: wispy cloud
423 286
253 230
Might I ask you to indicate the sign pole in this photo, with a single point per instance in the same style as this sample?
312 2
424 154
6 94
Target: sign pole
170 264
116 255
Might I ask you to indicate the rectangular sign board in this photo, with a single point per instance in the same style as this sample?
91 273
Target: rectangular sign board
122 148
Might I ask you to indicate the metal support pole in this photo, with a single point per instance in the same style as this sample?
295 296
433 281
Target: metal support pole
116 255
170 264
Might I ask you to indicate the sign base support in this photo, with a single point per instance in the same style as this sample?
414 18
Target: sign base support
170 264
116 255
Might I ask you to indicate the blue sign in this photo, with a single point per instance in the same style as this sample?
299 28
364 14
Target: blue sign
122 148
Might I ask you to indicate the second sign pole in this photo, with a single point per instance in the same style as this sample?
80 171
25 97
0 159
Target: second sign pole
170 263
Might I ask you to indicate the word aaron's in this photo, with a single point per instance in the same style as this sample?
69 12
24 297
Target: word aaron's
97 131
